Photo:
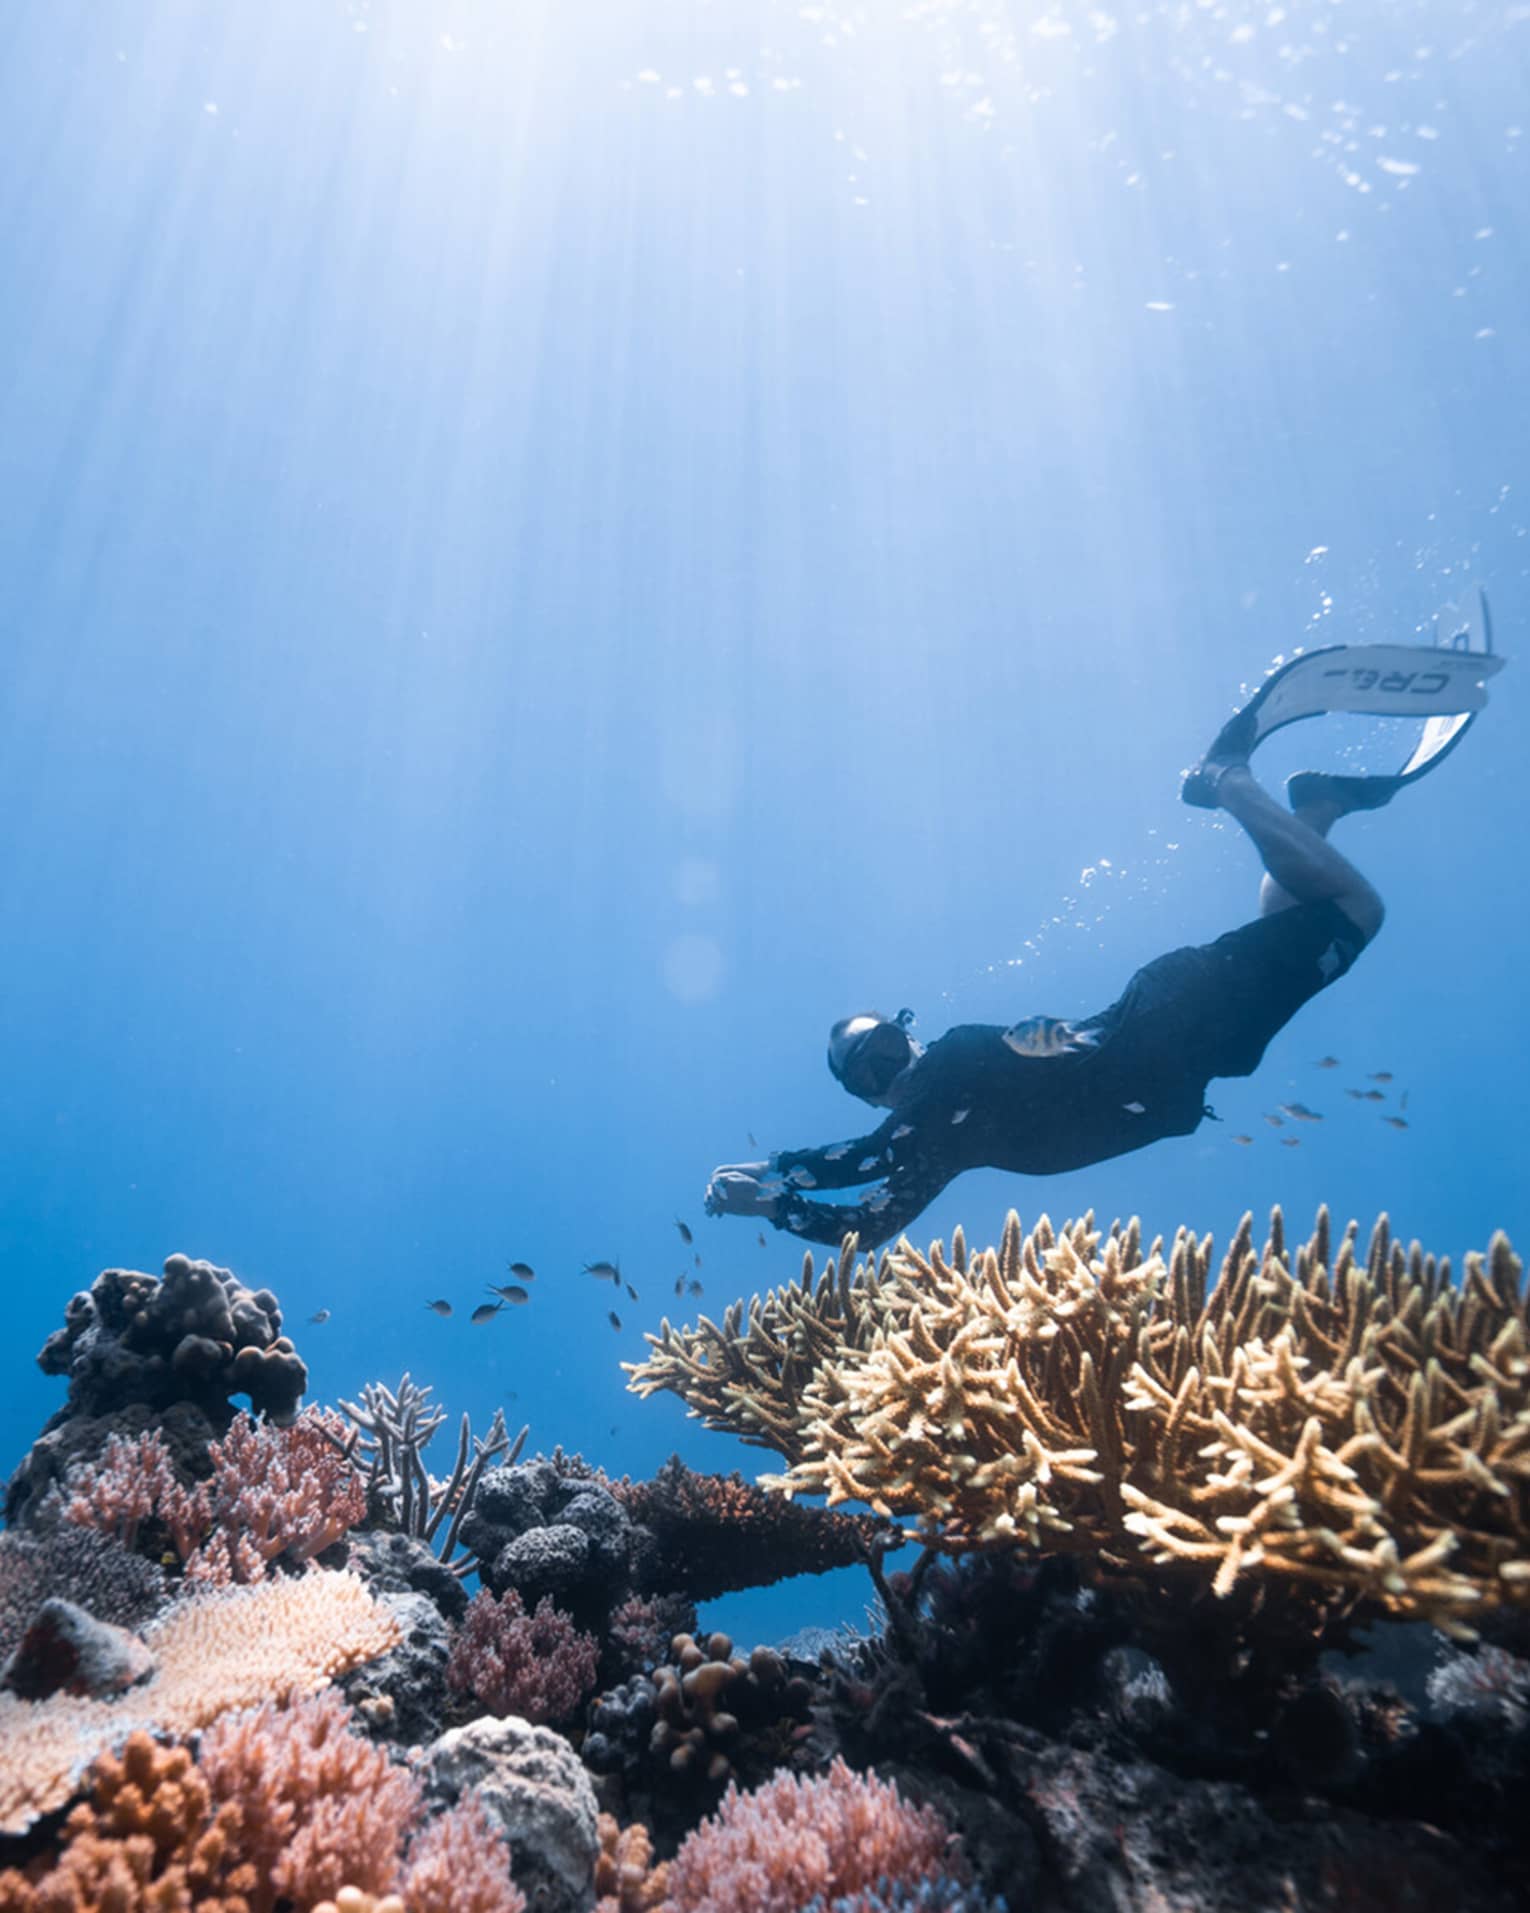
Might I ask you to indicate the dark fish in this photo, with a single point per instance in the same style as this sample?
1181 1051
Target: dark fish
1373 1095
522 1271
615 1320
693 1288
1301 1113
760 1238
1275 1122
752 1143
679 1285
1379 1076
632 1294
685 1233
440 1306
697 1258
1358 1094
509 1292
603 1271
318 1316
1290 1142
1326 1062
1397 1122
486 1311
1245 1140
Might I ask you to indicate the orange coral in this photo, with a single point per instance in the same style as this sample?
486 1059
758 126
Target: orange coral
625 1876
461 1864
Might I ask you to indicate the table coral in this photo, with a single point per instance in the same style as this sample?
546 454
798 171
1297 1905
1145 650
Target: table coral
219 1651
1354 1427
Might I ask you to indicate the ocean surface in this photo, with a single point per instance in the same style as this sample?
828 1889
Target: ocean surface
548 551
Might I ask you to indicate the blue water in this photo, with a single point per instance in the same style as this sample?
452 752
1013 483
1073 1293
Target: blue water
547 552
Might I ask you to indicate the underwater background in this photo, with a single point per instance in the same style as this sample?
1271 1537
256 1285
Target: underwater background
549 551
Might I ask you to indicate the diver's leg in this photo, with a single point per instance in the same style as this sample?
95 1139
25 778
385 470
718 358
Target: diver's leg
1301 865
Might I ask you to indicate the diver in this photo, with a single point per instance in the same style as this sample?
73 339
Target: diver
1049 1095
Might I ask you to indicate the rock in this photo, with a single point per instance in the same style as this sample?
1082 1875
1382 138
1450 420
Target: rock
532 1784
399 1564
401 1696
543 1561
66 1650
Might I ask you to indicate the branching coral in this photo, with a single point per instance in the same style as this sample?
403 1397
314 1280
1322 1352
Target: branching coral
234 1648
289 1492
537 1665
626 1879
460 1863
395 1427
774 1849
1355 1429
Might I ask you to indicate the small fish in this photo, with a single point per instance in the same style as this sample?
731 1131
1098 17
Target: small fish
696 1258
603 1271
509 1292
1397 1122
1275 1122
867 1164
1301 1113
1373 1095
485 1312
1135 1109
1326 1062
803 1178
631 1291
1245 1140
760 1238
615 1320
1047 1036
752 1143
679 1285
903 1129
522 1271
685 1232
960 1116
1379 1076
1290 1142
693 1288
318 1316
440 1306
837 1153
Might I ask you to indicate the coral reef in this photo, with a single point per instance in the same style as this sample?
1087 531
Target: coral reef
166 1352
67 1651
99 1575
222 1650
626 1879
537 1665
393 1428
774 1849
461 1864
283 1493
543 1527
1355 1430
640 1633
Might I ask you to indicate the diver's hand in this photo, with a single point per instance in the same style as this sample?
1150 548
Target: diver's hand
736 1190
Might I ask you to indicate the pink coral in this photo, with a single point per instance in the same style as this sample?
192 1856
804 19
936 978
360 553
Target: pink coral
320 1807
124 1488
536 1665
461 1864
778 1847
273 1491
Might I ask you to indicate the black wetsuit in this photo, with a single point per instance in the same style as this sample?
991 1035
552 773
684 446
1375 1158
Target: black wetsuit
973 1103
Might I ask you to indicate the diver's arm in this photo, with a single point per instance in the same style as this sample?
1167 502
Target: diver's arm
882 1212
841 1165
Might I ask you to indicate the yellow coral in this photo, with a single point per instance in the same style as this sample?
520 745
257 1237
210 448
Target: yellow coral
233 1648
1358 1430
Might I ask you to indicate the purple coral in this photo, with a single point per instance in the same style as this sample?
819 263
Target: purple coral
536 1665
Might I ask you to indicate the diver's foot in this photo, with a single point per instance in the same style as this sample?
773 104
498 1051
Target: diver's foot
1338 796
1230 751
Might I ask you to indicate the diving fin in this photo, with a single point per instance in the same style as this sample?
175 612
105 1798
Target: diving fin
1444 684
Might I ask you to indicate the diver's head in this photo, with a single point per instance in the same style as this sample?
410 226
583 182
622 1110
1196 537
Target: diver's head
867 1053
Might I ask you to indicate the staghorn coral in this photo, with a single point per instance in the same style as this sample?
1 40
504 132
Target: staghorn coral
274 1492
626 1879
536 1665
393 1428
222 1650
774 1849
716 1534
1357 1430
